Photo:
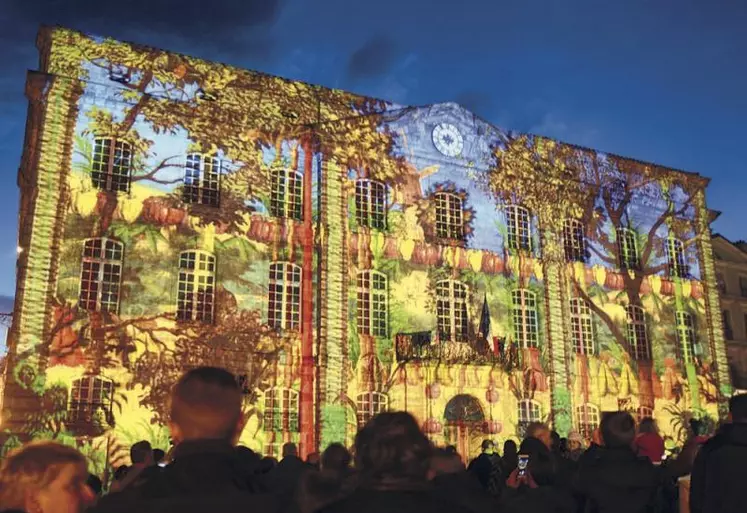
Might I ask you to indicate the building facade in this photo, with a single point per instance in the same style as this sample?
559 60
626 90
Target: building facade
342 256
731 279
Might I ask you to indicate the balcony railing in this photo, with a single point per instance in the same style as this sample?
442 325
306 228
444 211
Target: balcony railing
422 346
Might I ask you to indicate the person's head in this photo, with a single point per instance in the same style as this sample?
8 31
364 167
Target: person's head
488 446
618 430
391 445
509 449
738 409
141 453
95 484
541 462
313 459
696 426
290 449
206 404
648 425
44 477
266 464
555 441
121 472
541 432
158 455
575 441
444 462
336 458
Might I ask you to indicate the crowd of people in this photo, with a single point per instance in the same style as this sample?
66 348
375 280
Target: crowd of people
393 468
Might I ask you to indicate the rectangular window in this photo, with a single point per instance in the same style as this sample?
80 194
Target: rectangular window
726 318
101 275
676 258
369 404
529 411
372 303
686 335
111 164
196 294
574 241
587 420
286 199
449 216
721 283
627 247
526 324
285 296
637 333
370 204
582 327
743 286
89 395
281 410
202 180
451 310
519 228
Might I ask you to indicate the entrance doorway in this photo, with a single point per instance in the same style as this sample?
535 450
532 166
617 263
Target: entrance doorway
465 425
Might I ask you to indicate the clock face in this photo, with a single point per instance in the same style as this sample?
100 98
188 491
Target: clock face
448 140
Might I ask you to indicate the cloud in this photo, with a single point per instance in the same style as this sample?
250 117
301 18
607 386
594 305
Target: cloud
478 102
375 58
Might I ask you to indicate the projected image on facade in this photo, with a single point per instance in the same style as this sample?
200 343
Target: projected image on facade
342 256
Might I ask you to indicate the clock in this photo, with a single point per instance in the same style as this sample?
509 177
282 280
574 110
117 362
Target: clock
448 140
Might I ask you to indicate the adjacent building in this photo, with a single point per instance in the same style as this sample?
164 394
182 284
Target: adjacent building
342 255
731 278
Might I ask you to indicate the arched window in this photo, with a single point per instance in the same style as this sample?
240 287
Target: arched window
574 241
676 258
519 225
281 410
370 204
582 329
451 310
89 395
526 324
627 248
529 411
284 310
686 335
637 333
286 199
111 164
587 420
369 404
202 180
195 300
449 216
101 275
372 303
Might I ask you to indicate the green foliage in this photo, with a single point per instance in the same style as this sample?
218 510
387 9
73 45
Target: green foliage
333 424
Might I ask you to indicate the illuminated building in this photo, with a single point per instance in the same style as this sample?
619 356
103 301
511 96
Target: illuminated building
341 255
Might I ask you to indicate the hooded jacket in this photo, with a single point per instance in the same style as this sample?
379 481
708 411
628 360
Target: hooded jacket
718 476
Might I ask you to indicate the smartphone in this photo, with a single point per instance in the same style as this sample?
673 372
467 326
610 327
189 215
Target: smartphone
523 463
162 464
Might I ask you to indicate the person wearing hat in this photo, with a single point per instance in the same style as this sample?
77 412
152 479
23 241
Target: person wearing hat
575 445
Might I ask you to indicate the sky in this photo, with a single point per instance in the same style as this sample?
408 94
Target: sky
662 81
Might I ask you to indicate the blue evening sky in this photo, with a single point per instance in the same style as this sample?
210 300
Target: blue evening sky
663 81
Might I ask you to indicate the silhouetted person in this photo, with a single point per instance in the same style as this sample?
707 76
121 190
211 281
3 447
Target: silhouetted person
613 479
392 458
487 469
204 474
333 481
159 455
312 460
718 476
541 432
141 454
510 458
95 484
452 483
284 480
649 442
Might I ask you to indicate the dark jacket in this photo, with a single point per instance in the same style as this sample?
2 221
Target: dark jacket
617 481
462 488
545 499
400 500
284 480
204 476
718 477
487 469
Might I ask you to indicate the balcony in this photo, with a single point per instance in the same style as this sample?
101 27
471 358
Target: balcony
422 346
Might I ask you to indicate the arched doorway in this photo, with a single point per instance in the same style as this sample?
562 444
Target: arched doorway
465 425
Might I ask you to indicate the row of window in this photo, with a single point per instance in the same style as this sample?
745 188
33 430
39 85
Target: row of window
728 328
722 285
112 161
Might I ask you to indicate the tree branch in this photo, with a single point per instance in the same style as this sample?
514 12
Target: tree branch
604 316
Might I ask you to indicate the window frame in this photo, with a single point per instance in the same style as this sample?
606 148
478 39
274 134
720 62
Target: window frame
721 282
636 332
574 240
104 163
518 228
685 328
195 278
82 412
582 327
372 308
582 412
286 409
286 194
676 258
625 238
525 318
528 411
107 266
202 181
447 305
289 310
368 405
371 204
449 216
726 322
743 286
